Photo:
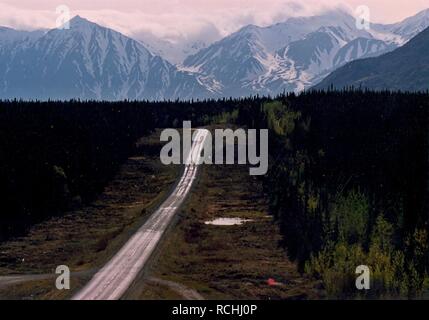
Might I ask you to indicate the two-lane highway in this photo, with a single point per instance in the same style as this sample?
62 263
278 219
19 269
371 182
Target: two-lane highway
111 282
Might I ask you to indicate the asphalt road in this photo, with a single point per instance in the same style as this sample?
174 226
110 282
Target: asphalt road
111 282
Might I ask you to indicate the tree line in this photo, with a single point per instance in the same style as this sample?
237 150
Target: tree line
348 179
348 183
56 156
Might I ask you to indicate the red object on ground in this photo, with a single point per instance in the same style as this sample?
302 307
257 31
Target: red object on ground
271 282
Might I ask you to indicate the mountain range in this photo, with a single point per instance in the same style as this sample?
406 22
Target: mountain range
89 61
406 69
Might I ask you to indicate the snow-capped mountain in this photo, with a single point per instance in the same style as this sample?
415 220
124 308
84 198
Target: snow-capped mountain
9 36
89 62
306 61
406 69
407 28
289 56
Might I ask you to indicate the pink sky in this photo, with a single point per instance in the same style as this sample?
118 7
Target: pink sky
176 19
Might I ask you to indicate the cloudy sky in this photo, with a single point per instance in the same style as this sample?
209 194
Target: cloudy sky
177 20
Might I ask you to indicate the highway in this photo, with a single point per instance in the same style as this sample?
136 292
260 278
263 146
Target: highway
112 281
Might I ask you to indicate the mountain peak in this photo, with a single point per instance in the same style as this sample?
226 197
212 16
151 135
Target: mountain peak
391 71
78 22
89 61
249 28
423 13
79 19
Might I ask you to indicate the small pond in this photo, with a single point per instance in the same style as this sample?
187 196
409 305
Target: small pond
227 221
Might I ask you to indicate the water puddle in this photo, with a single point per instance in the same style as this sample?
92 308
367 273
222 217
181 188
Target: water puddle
227 221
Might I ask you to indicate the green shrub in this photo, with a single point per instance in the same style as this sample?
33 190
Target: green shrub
350 216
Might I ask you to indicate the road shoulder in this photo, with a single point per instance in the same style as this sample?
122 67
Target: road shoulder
226 262
85 239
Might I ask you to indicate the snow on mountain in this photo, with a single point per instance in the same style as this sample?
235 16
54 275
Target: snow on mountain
361 48
174 52
232 60
289 56
407 28
310 58
91 62
9 35
406 69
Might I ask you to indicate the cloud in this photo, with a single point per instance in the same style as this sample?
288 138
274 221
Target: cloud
178 20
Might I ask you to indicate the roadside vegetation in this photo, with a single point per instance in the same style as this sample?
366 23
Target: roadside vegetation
348 184
84 239
226 261
58 156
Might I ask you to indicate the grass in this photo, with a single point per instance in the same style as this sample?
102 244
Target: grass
85 239
226 262
219 262
156 291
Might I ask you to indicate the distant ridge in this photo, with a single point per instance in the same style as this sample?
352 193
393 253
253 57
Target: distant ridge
93 62
406 68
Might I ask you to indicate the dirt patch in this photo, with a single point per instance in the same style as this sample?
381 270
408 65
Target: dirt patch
86 238
227 262
184 292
